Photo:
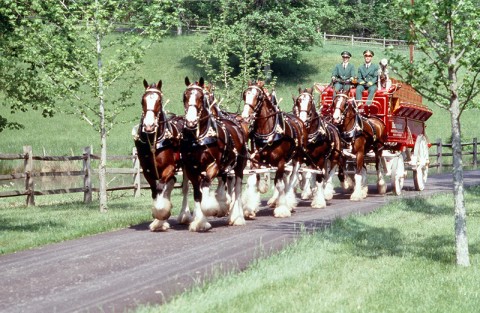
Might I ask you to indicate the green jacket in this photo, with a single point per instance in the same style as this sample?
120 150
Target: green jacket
368 76
343 73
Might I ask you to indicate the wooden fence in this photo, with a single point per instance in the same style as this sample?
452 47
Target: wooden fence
29 174
86 172
343 39
365 41
441 154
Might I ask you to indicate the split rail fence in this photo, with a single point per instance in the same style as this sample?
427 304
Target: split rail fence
29 174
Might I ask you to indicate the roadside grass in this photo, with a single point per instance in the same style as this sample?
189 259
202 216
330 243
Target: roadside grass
58 218
23 227
400 258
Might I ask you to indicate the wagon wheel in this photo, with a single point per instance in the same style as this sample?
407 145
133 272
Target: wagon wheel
420 162
398 174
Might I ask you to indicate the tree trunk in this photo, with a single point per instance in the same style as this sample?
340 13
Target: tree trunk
461 240
103 132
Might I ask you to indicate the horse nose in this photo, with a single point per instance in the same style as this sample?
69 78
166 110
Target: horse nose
149 128
149 122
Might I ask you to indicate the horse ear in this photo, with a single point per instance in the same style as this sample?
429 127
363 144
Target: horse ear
299 90
159 85
260 83
187 81
294 99
309 90
145 84
201 82
249 82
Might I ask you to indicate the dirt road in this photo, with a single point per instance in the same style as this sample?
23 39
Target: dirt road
115 271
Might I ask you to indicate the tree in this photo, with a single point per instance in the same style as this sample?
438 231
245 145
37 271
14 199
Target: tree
76 51
447 32
34 46
245 37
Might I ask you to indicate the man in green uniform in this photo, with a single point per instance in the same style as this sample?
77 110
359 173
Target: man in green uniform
343 73
367 77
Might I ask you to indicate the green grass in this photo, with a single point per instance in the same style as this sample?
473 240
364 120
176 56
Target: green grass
398 259
58 218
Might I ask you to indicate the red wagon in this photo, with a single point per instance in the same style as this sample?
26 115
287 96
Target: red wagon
401 110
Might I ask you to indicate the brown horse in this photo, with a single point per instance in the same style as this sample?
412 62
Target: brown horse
276 138
211 147
323 144
157 140
363 135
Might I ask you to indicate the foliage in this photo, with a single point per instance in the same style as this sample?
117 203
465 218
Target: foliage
34 44
49 54
367 18
447 61
247 36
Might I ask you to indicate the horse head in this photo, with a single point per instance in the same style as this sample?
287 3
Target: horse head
340 105
253 98
151 106
304 105
194 102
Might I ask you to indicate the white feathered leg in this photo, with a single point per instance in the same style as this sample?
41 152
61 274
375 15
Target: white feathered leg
161 208
236 217
251 197
185 217
282 210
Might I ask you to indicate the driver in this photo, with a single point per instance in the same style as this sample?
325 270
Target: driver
343 74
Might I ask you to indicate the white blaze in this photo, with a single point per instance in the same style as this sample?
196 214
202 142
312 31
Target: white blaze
336 113
249 96
303 107
191 115
149 119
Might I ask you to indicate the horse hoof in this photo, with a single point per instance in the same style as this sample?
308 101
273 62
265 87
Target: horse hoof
199 227
282 211
249 215
158 225
240 221
319 205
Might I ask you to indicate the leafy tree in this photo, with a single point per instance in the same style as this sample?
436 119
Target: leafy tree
245 37
75 52
34 45
447 74
365 18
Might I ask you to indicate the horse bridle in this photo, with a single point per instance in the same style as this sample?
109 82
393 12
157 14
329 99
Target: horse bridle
298 108
336 105
160 94
260 96
200 110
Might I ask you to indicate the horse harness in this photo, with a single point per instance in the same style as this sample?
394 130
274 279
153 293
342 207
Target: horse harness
210 136
357 128
281 127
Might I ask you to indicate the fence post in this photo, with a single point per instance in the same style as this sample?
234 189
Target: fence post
475 152
439 154
28 170
324 37
383 42
352 41
87 179
136 176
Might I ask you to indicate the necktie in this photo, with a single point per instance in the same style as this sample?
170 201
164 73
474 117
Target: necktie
367 65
